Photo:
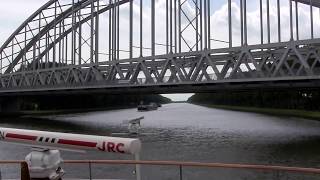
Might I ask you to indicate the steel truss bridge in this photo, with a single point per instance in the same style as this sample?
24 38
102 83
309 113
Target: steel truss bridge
123 45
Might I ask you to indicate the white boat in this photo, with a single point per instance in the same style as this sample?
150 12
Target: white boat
44 162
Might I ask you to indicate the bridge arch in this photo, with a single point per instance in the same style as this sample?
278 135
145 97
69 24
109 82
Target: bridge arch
43 30
37 54
24 29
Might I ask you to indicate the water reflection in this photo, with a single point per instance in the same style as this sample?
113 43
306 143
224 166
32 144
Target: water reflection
38 123
189 133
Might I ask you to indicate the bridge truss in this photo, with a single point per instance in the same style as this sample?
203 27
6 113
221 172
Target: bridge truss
80 45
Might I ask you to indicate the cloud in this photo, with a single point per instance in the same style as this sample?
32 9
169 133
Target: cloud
16 11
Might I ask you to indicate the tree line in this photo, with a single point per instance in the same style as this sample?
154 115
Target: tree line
65 102
308 99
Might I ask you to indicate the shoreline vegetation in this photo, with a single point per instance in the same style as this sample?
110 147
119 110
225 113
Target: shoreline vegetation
301 103
55 105
70 111
313 115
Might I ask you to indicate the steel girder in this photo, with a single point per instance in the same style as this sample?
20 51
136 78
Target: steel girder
264 63
42 31
12 44
15 49
293 60
314 3
75 26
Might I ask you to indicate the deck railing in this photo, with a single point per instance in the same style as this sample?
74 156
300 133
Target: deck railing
181 165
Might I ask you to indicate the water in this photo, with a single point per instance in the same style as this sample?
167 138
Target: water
185 132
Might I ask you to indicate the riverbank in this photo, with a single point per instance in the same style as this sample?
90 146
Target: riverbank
56 105
73 111
314 115
62 111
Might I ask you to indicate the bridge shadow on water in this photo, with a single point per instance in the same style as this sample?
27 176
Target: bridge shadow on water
296 151
186 132
47 124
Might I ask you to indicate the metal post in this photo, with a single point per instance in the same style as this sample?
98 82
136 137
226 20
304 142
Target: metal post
80 39
90 171
197 25
60 32
62 48
114 33
131 31
110 32
245 23
230 22
54 36
97 35
39 44
73 34
268 21
153 29
279 20
180 172
179 24
25 50
92 33
25 173
205 26
311 19
175 26
261 22
66 51
138 167
46 64
12 50
277 174
34 57
167 26
118 29
1 63
209 24
291 22
297 19
201 28
171 40
141 30
241 20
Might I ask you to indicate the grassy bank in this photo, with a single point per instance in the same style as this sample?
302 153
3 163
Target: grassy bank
315 115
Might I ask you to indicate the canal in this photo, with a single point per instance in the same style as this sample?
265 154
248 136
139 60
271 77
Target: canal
184 132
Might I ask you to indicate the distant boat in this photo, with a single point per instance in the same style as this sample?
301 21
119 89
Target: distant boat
148 107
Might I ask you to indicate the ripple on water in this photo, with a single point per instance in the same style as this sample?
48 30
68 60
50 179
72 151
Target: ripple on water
192 133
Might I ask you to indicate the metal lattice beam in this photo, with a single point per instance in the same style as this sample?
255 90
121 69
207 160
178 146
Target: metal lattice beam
59 48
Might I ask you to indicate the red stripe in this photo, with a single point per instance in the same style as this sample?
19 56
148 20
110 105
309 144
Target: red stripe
77 143
21 136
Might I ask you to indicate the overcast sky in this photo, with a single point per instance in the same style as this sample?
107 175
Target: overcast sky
14 12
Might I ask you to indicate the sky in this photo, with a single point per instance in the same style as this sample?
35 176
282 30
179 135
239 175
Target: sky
14 12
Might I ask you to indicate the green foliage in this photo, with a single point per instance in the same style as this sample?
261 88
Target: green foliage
90 101
290 99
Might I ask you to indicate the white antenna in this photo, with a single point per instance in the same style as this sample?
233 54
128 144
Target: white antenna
45 161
